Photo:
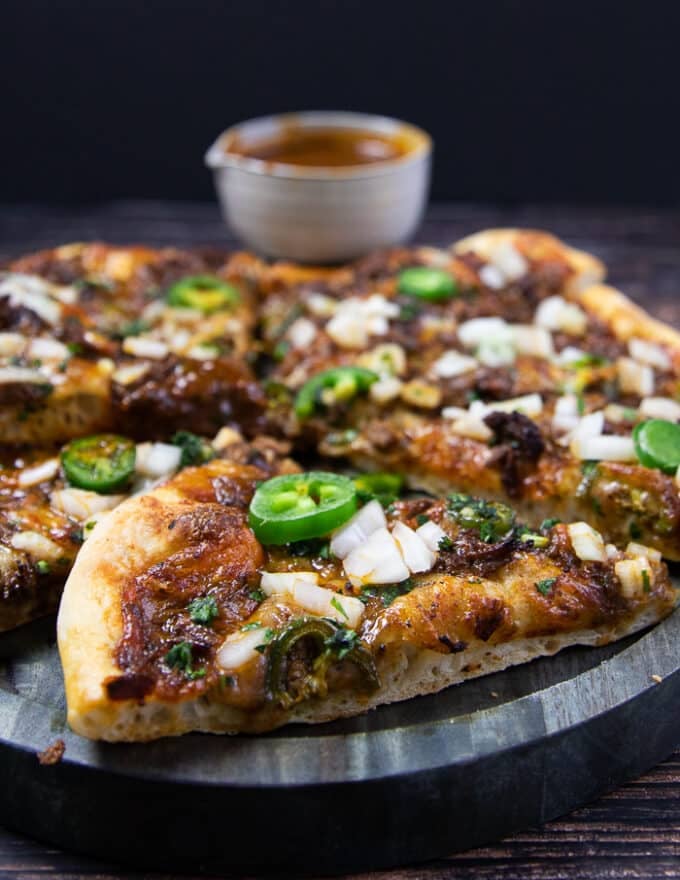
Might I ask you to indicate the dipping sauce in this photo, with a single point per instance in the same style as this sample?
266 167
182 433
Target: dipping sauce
325 147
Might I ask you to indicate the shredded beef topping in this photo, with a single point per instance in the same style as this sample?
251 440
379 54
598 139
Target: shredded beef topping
519 446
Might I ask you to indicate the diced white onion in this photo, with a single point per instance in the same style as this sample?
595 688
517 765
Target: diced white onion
377 561
590 425
587 542
635 575
634 549
454 412
348 331
38 473
36 545
528 404
660 408
143 346
129 373
301 333
385 389
509 261
11 344
565 416
388 359
327 603
81 504
532 340
634 377
570 355
492 277
283 581
226 437
604 447
555 313
453 363
417 555
357 319
475 331
354 533
32 293
239 648
470 426
47 349
157 459
321 305
649 353
432 534
614 412
496 352
612 551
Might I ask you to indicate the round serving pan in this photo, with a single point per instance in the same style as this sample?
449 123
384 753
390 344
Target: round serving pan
404 783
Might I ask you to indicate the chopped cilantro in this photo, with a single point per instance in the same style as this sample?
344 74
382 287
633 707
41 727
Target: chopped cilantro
342 438
409 311
226 681
181 657
310 548
342 642
251 626
42 566
580 404
445 543
549 523
257 595
74 347
588 468
203 610
195 450
388 593
588 360
76 535
645 580
267 635
335 602
634 530
422 518
281 349
131 328
545 586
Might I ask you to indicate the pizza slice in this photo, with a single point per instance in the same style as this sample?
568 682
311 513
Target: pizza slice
95 337
499 368
50 501
223 601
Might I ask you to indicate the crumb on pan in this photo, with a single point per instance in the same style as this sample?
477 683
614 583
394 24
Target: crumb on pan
53 753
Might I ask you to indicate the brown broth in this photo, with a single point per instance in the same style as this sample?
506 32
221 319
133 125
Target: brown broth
325 147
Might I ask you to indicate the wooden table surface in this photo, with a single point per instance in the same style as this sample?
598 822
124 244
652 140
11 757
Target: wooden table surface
633 832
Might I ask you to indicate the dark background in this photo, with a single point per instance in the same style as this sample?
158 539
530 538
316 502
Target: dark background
527 100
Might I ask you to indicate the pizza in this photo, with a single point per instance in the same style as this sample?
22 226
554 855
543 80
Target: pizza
218 602
503 368
93 336
51 500
282 493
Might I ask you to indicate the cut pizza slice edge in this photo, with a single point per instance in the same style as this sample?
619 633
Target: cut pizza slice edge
177 618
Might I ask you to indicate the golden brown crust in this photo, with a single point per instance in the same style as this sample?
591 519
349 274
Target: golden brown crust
537 245
626 319
454 624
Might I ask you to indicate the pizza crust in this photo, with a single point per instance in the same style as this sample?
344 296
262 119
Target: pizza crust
535 244
626 319
136 536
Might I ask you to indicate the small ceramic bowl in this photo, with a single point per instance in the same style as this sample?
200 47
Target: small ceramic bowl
321 214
